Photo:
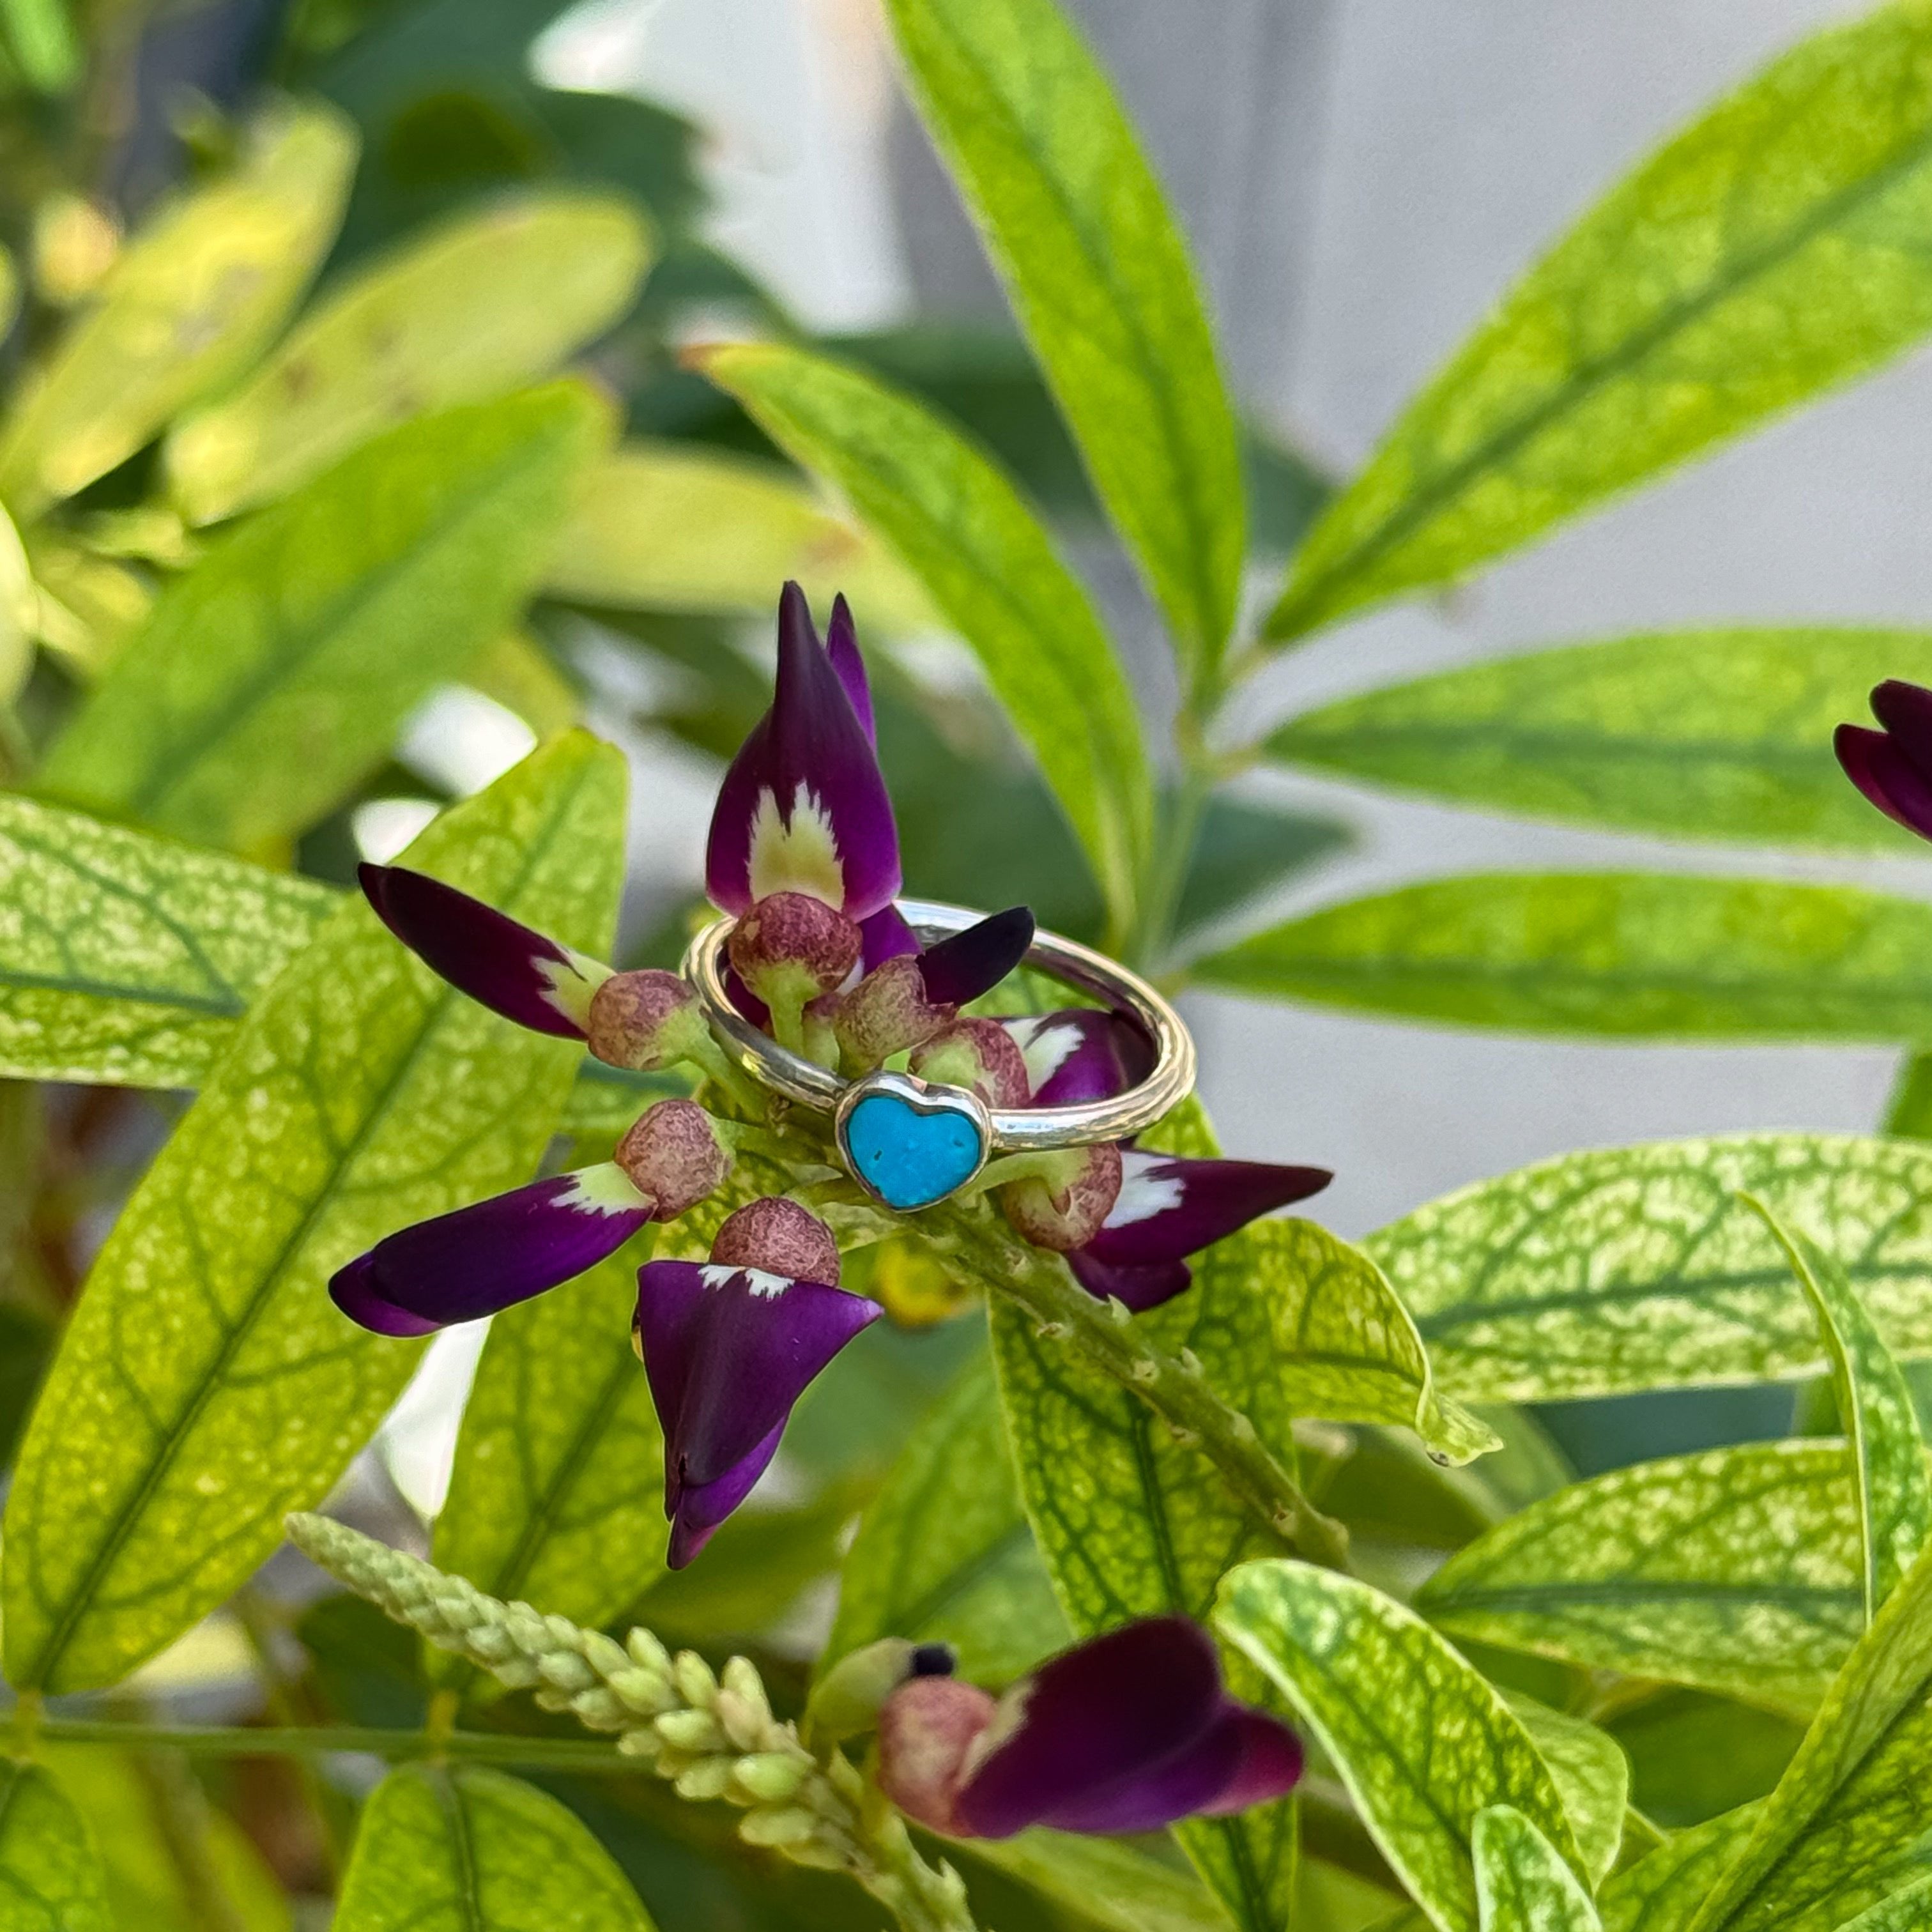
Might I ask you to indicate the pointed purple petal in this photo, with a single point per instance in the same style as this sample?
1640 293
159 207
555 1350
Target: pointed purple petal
885 936
481 952
1138 1288
353 1291
841 646
462 1266
1890 780
1081 1055
1094 1720
959 969
1168 1208
1270 1762
803 807
697 1509
1905 710
1157 1795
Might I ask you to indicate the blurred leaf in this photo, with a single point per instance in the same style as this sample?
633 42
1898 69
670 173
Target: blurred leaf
301 642
605 1100
1522 1884
1850 1808
368 1670
1099 276
195 298
86 606
126 958
469 1850
1388 1489
1774 248
1109 1883
991 571
1737 1569
1887 1454
1694 1755
1592 1776
40 38
1634 955
1908 1911
1660 1891
1422 1742
522 676
50 1875
557 1493
206 1385
1634 1268
945 1552
27 1339
493 300
1695 734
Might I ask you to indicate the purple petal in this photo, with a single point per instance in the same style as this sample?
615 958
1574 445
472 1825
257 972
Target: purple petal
1097 1723
481 952
959 969
841 646
803 808
1138 1288
728 1351
697 1510
885 936
462 1266
1169 1207
1892 781
1270 1761
1905 710
1157 1795
1081 1055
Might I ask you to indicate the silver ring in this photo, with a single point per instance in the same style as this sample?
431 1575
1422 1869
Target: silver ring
958 1115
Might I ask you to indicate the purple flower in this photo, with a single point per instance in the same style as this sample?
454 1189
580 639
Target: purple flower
1080 1054
730 1345
1893 767
803 808
1130 1732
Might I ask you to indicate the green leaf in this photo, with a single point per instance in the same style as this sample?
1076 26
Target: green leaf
991 571
472 1851
1695 734
1422 1741
126 958
299 643
556 1494
673 526
206 1385
50 1875
1774 248
1659 1893
1735 1569
1592 1776
1630 1268
479 306
1521 1884
1849 1810
1907 1911
200 294
1636 954
1098 276
945 1552
1888 1456
1109 1883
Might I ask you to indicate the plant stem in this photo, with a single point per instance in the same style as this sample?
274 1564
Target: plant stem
558 1754
1174 850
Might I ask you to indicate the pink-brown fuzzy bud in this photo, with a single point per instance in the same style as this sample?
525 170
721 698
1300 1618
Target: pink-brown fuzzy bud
887 1011
674 1155
927 1731
781 1238
790 947
1064 1208
979 1055
645 1021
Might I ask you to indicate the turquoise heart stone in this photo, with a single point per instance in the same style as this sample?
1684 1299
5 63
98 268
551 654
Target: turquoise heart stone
910 1157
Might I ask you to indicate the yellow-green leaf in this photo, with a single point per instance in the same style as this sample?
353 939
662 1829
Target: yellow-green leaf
201 293
991 572
1907 1911
1776 247
1634 1267
1659 1893
1111 1884
1422 1742
673 526
1735 1569
495 298
1098 276
1592 1778
1522 1885
206 1385
50 1875
1888 1455
469 1850
300 643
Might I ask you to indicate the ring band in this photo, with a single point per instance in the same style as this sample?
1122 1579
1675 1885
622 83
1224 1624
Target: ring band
1001 1130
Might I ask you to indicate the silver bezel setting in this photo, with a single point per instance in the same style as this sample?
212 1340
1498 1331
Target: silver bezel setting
922 1097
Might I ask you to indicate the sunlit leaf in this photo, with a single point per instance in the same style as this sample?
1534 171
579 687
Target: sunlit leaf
1907 1911
1659 1893
1592 1778
300 642
556 1494
991 571
1694 734
206 1385
1112 1884
470 1850
1736 1569
673 526
1888 1455
1642 954
1522 1884
50 1875
1422 1742
493 299
1774 247
187 308
1633 1267
1098 276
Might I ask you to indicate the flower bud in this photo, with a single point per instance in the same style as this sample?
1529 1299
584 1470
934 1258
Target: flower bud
848 1698
979 1055
791 947
887 1011
1063 1206
927 1731
778 1237
675 1155
645 1021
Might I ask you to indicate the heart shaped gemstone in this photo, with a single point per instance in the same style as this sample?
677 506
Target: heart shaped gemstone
912 1152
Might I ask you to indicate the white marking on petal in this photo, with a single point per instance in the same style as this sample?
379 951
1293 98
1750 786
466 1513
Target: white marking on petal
605 1190
569 982
1145 1191
1045 1046
796 851
760 1281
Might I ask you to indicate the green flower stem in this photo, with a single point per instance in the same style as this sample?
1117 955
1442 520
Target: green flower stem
310 1742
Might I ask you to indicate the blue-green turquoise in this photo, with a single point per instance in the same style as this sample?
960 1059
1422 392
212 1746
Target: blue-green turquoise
909 1159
